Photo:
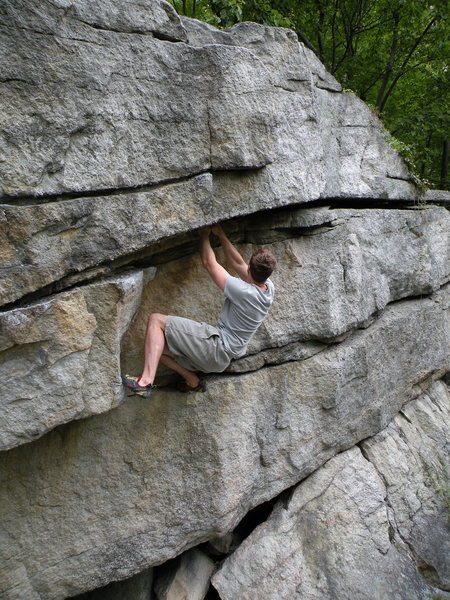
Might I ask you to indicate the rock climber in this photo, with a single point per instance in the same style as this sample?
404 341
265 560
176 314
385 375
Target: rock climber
186 346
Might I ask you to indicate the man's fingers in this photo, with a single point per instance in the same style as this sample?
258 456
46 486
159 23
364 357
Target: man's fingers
204 231
217 229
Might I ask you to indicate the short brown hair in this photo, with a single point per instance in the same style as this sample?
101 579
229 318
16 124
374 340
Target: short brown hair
262 263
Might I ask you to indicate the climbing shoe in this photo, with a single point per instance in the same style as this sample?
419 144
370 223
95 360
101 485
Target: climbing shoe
131 383
185 388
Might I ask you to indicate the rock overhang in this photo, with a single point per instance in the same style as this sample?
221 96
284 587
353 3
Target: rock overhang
337 269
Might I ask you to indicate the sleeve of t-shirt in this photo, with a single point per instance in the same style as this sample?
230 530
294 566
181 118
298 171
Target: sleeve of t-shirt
234 289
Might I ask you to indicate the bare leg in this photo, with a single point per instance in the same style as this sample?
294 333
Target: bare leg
190 377
155 343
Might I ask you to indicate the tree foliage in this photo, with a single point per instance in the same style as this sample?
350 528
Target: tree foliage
393 53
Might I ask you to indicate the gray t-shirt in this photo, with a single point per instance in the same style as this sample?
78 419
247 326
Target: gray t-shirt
244 310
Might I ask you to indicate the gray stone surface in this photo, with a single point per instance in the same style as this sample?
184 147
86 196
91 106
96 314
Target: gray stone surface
66 17
43 243
329 144
333 279
123 128
412 456
106 497
79 123
335 272
61 357
116 109
223 544
438 196
66 350
187 579
353 529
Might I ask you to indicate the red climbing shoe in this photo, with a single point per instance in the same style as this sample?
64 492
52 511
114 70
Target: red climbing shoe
131 382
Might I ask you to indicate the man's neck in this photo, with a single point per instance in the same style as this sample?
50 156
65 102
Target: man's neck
263 286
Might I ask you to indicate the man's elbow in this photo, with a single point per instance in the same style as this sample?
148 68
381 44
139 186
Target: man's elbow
207 263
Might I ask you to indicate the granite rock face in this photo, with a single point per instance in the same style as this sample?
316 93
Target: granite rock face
345 267
412 457
335 277
105 96
245 100
64 357
253 111
356 527
123 129
98 497
46 242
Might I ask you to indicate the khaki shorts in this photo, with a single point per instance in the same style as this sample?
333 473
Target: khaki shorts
196 346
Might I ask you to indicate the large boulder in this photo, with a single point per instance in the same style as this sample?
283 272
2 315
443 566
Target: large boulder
123 129
87 134
357 526
95 500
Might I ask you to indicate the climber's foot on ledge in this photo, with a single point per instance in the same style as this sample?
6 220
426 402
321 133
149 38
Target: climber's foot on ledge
132 383
183 386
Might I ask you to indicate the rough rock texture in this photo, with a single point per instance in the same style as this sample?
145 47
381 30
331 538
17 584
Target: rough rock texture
64 356
340 535
105 96
98 497
103 118
75 133
187 579
412 456
123 128
308 96
43 243
346 266
438 196
335 277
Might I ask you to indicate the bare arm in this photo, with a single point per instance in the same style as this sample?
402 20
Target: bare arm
234 259
217 273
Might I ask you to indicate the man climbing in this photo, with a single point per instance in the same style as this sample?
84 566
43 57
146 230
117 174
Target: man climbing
187 346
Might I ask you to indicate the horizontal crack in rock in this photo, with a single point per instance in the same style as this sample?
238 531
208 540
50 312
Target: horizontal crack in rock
152 255
154 33
31 200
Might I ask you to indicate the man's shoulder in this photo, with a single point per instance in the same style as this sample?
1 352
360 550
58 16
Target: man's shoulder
238 285
237 282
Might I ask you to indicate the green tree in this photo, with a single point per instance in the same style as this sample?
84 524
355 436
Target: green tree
394 54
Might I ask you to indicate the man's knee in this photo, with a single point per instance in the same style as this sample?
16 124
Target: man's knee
157 319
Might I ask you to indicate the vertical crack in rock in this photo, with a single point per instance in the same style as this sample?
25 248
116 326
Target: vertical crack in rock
418 428
279 556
